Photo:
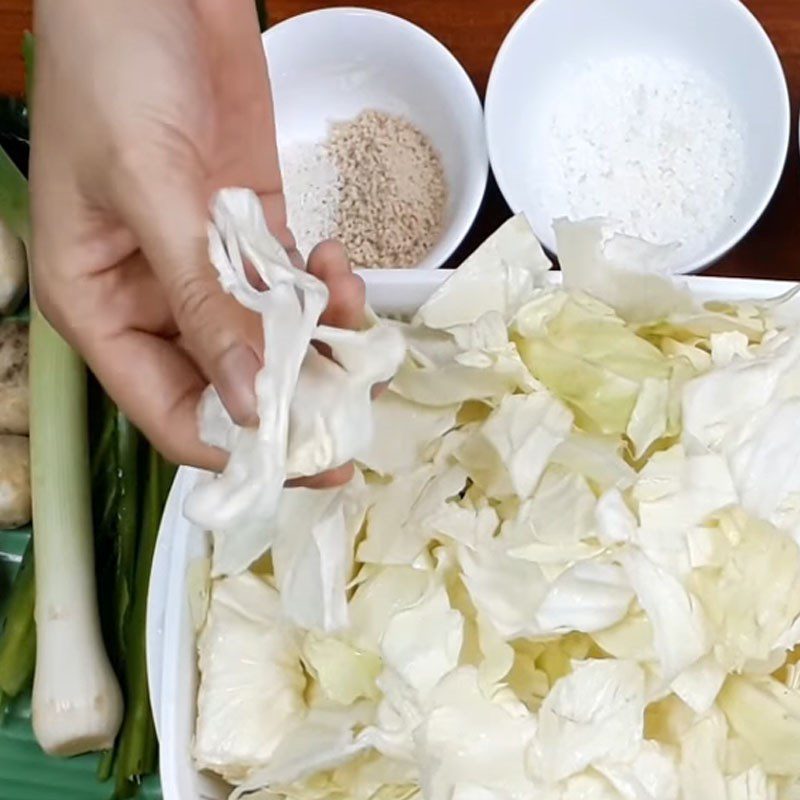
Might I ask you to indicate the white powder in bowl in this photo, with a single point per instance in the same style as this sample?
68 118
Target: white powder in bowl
376 183
311 186
649 143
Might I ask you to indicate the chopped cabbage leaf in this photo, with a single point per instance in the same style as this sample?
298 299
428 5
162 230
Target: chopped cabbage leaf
506 590
765 465
422 643
598 458
616 523
345 673
312 553
699 685
652 775
251 678
499 276
681 633
470 739
753 598
601 400
631 638
469 526
447 373
719 406
400 520
703 758
390 452
766 715
589 596
728 346
330 420
324 739
379 598
752 785
675 492
628 274
596 713
559 512
510 451
650 415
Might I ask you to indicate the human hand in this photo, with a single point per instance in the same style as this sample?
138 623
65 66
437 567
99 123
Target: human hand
142 111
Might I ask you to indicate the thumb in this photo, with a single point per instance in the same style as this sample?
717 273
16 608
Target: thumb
164 203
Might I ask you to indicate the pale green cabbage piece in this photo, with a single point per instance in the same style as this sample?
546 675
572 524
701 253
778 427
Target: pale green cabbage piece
251 692
649 418
472 740
476 363
703 757
312 553
681 633
560 511
345 674
766 715
401 518
498 277
389 452
509 452
626 273
601 399
596 713
753 598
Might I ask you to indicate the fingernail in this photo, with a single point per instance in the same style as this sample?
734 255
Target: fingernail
236 383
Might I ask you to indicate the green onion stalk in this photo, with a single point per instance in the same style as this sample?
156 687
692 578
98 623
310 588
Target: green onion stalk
18 634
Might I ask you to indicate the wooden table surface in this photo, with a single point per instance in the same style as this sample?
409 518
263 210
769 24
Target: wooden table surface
473 30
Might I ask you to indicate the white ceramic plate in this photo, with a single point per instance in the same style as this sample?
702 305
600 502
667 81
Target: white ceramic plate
171 655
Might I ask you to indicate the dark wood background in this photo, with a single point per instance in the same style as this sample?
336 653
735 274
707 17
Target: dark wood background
473 30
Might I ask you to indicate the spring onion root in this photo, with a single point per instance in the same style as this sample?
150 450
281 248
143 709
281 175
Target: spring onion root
77 703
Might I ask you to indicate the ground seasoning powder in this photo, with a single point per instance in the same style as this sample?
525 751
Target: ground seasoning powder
376 184
392 190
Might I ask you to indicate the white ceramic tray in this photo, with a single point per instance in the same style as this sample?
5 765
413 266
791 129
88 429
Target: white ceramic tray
170 637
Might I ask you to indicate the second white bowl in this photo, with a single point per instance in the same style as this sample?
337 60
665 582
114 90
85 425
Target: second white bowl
332 64
719 37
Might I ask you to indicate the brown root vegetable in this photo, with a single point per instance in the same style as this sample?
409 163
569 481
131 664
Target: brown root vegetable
14 417
15 482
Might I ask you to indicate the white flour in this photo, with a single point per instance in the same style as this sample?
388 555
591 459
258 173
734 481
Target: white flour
649 143
311 186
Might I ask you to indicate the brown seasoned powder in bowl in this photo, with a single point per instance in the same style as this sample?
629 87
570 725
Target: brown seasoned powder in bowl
392 191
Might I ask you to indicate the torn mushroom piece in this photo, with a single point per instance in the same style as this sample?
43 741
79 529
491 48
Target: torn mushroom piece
13 270
14 395
315 413
15 482
15 471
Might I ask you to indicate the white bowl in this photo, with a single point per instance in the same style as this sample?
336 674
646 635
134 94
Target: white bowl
332 64
553 37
